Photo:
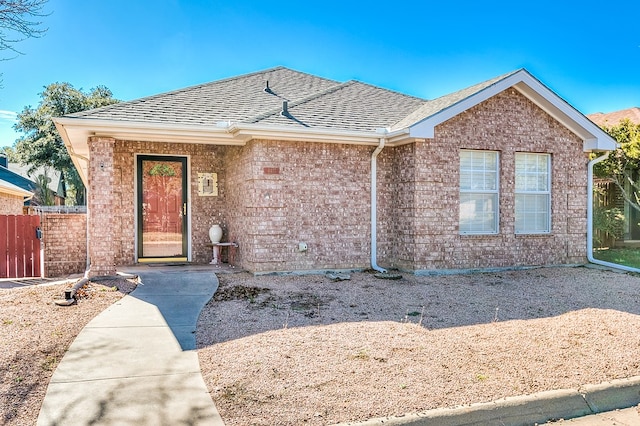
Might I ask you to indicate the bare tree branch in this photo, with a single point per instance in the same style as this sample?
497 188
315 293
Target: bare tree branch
20 20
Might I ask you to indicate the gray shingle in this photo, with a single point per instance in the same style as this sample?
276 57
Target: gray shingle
433 107
349 106
236 99
313 102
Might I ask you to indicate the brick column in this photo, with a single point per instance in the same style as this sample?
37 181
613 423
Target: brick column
100 201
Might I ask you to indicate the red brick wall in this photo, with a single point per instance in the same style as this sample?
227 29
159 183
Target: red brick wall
101 203
319 196
11 204
275 194
64 239
508 123
205 211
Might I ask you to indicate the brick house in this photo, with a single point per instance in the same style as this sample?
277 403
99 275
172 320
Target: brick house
306 173
13 195
12 198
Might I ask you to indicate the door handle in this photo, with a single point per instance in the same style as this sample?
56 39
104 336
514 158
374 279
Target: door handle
184 209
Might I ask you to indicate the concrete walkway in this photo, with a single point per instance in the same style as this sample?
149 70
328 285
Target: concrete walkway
135 363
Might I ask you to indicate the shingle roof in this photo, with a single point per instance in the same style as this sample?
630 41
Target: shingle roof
17 180
312 102
237 99
8 187
432 107
613 118
351 106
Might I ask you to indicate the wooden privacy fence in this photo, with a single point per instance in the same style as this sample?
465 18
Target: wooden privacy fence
19 246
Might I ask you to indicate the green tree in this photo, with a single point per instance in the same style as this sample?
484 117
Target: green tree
42 145
10 153
623 164
43 195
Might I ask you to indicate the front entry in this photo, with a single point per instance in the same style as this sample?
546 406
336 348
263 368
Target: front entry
162 208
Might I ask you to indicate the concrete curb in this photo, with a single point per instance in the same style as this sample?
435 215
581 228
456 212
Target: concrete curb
526 409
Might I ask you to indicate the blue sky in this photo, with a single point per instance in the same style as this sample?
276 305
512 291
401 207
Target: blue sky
588 55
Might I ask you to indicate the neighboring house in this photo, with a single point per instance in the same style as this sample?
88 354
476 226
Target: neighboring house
12 198
306 173
612 196
20 176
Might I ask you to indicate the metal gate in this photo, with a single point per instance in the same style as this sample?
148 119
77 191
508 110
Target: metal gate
20 246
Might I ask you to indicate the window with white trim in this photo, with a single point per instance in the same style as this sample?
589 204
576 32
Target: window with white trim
533 193
479 192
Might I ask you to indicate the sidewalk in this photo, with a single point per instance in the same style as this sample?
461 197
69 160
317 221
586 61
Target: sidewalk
535 409
135 363
625 417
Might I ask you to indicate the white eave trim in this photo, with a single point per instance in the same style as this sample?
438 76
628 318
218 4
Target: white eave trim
75 133
11 189
256 131
594 138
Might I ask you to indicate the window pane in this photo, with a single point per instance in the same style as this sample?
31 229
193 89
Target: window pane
478 170
478 192
533 195
478 213
532 213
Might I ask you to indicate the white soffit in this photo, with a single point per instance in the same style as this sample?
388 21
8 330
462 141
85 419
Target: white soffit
11 189
594 138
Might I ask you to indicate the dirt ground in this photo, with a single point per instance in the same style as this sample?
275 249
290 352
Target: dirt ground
291 350
35 333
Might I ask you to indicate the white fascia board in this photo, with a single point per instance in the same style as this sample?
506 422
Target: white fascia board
76 131
11 189
426 127
78 150
595 139
252 131
149 131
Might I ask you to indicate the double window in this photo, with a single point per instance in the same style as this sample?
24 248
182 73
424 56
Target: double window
479 192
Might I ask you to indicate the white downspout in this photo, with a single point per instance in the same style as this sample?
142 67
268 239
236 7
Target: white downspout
590 219
374 207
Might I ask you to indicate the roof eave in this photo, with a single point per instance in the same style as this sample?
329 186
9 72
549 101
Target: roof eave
8 188
305 134
75 133
594 138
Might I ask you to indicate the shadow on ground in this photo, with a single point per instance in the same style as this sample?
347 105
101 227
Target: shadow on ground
246 305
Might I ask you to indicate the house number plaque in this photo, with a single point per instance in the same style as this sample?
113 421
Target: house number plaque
208 184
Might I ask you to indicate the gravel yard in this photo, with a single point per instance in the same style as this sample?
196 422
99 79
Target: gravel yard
290 350
35 333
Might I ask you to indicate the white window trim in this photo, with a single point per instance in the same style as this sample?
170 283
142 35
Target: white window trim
495 192
547 193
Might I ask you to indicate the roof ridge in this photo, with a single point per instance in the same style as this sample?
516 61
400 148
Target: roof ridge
472 90
390 90
181 90
481 86
295 103
330 90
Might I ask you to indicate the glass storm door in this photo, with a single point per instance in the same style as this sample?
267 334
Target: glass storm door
162 208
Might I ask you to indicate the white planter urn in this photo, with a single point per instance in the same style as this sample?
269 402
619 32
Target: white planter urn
215 233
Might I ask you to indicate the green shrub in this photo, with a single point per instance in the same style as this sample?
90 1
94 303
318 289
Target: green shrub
608 224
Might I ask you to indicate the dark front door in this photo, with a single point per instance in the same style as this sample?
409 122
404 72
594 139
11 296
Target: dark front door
162 208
